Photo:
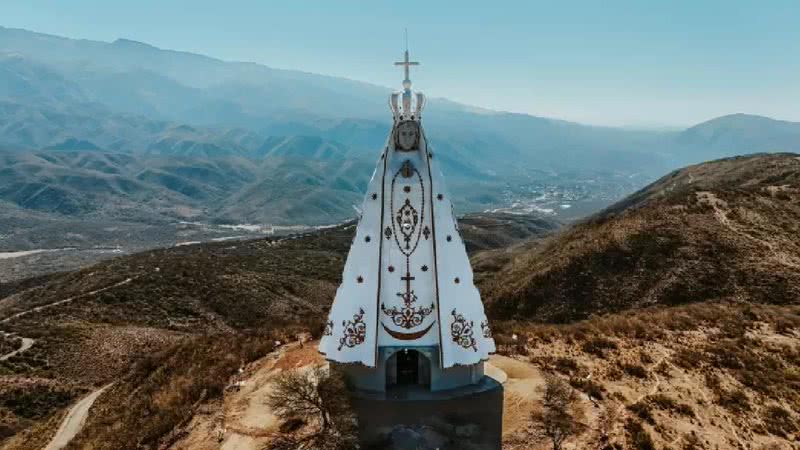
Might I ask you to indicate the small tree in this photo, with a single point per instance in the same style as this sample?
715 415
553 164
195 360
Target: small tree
317 396
560 416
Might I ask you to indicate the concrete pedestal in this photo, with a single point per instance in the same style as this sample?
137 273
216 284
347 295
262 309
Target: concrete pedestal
415 418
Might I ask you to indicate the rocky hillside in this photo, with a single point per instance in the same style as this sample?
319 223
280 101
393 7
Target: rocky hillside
217 305
726 229
710 375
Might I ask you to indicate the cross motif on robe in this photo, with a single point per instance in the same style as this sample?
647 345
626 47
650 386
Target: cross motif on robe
409 293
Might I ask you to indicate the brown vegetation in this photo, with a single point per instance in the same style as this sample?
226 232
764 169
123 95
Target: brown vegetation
319 396
97 322
677 377
161 392
707 232
561 416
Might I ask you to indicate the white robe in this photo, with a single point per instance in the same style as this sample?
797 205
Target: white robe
407 280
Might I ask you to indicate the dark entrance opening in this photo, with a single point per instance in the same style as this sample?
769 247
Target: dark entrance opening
407 368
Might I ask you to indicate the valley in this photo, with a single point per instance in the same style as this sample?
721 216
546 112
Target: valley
110 148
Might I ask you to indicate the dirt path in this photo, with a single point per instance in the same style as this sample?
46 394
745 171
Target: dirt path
652 372
522 388
244 421
66 300
26 344
248 418
74 421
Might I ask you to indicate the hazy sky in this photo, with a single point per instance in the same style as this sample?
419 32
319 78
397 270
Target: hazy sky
637 63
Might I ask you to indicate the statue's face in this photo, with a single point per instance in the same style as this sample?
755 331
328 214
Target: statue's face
408 135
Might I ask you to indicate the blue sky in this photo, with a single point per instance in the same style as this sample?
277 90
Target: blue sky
622 63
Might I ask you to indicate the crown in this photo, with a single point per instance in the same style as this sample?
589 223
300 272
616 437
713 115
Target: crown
407 104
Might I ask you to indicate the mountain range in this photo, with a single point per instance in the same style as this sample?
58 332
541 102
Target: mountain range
125 131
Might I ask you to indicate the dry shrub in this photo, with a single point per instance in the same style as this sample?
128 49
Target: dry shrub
638 437
508 346
591 388
712 381
772 446
614 373
637 328
642 411
521 349
567 366
662 368
735 400
634 370
679 321
692 442
666 403
734 327
317 396
785 323
35 401
778 421
561 415
162 390
582 331
688 358
598 346
769 371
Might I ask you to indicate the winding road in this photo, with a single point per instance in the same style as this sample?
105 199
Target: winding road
66 300
26 344
76 417
74 421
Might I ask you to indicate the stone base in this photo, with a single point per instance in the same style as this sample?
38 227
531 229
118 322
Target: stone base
468 418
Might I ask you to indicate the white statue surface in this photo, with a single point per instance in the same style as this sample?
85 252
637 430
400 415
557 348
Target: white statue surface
407 281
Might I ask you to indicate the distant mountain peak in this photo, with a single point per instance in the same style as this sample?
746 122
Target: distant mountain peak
122 42
741 118
71 144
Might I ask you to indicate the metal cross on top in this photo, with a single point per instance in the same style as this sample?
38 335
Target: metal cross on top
406 63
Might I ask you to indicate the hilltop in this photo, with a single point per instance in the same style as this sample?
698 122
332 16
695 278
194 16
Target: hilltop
725 229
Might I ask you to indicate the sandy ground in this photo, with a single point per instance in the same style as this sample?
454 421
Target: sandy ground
74 420
243 421
523 388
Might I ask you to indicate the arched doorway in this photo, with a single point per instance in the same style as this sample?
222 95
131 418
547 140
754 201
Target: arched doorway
406 368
